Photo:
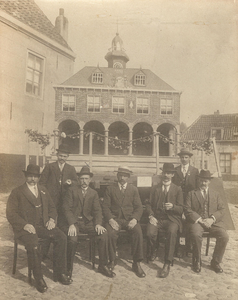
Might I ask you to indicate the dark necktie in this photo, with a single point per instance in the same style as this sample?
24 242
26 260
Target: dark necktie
165 194
123 188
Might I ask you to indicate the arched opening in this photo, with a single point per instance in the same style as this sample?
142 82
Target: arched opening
166 148
98 140
119 131
142 146
70 127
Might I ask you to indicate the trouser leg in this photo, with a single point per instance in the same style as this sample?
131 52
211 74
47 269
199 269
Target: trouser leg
222 239
136 243
195 234
171 239
112 242
103 253
151 235
71 250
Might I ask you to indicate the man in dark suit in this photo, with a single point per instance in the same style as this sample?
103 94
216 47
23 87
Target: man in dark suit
204 210
83 213
32 214
57 177
122 209
165 209
186 175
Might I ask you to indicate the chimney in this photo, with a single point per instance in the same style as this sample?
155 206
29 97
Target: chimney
216 112
61 24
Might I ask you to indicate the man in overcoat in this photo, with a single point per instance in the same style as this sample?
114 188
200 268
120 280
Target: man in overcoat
165 209
204 210
83 213
122 209
32 214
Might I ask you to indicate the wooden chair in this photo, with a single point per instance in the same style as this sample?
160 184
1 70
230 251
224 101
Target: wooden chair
92 246
206 234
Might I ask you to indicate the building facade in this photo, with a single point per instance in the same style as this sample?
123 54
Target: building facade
224 127
124 108
35 55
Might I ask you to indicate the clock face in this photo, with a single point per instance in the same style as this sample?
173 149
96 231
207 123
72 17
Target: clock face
117 65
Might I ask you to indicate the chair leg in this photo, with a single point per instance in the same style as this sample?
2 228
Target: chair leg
207 246
14 258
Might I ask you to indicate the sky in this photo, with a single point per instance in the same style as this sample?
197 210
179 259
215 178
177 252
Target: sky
191 45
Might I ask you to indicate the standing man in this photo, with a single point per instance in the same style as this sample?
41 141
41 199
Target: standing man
122 209
165 209
57 177
83 213
186 175
32 214
204 210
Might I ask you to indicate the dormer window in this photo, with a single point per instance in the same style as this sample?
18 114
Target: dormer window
139 79
217 132
97 77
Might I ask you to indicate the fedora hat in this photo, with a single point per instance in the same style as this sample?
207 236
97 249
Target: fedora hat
32 169
124 169
205 174
85 171
64 148
168 167
185 151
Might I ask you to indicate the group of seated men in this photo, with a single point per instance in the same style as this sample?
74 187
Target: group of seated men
59 204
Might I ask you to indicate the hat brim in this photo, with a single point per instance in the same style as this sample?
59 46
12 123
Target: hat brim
27 172
84 173
172 171
63 151
185 153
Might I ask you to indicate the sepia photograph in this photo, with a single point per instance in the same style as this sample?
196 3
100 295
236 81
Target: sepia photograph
119 149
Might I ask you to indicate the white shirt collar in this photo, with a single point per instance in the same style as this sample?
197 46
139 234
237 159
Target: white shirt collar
184 166
32 188
167 185
61 166
124 185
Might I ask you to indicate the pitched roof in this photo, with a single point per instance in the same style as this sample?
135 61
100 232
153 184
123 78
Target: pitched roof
28 12
83 78
200 130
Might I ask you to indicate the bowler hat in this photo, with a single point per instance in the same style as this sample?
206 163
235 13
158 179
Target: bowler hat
205 174
32 169
124 169
185 151
85 171
168 167
64 148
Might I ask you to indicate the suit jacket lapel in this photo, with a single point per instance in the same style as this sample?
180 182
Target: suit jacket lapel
199 197
159 199
80 194
180 174
118 194
28 194
57 171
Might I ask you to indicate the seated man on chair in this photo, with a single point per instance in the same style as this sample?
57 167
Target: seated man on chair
165 209
204 210
83 212
32 214
122 209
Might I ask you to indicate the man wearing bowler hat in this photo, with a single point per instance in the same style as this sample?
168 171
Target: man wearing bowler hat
165 209
32 214
83 213
186 175
204 210
122 209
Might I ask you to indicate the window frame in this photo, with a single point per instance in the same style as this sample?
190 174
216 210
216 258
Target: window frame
142 80
166 106
124 109
35 71
148 106
225 160
93 96
221 129
96 76
69 111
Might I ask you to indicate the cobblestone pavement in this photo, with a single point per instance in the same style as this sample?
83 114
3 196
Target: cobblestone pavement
182 282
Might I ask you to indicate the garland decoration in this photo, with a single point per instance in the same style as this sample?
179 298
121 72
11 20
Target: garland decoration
206 145
41 139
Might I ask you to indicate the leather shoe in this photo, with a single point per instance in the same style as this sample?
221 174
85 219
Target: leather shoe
165 271
41 286
111 265
197 266
216 266
136 267
63 279
105 271
153 254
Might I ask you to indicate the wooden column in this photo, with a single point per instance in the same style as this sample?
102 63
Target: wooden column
130 140
81 141
90 150
157 153
106 142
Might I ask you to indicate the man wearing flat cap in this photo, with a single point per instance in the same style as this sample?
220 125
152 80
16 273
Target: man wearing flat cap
186 175
204 210
122 209
32 214
83 213
164 210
